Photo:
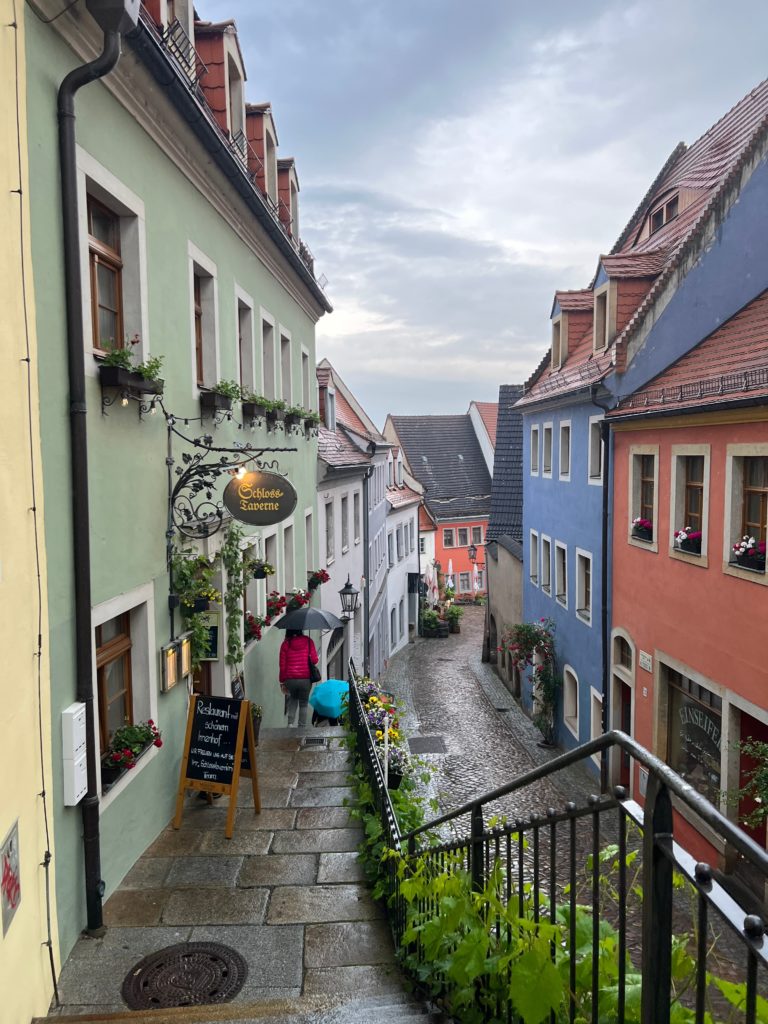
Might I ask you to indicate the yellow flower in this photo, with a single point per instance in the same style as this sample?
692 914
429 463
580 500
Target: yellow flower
394 734
379 734
373 700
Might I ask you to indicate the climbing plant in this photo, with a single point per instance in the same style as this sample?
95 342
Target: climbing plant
532 645
234 565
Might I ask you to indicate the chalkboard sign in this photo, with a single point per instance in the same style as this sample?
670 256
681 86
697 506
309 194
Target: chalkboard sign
238 688
218 729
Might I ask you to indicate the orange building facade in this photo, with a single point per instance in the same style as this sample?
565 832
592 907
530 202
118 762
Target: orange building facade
453 540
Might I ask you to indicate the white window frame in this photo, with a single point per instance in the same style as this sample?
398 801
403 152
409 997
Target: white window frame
583 613
559 340
733 507
479 542
533 557
635 451
330 422
330 532
390 548
140 603
309 539
546 587
468 588
265 317
571 700
452 531
289 558
609 292
95 180
561 600
564 426
242 298
535 455
307 398
678 454
547 431
344 523
595 718
202 265
356 502
285 336
595 479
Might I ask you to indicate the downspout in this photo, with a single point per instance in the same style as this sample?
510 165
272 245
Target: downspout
605 433
75 80
366 574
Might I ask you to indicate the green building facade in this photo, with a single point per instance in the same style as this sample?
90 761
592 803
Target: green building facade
189 249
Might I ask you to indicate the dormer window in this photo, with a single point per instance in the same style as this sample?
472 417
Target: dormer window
604 317
330 409
664 213
270 161
559 340
390 472
236 103
400 471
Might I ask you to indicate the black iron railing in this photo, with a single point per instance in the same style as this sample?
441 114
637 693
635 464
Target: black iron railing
655 919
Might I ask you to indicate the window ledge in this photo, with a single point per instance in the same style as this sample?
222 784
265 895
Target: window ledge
345 549
546 589
105 799
741 573
572 725
585 617
643 545
330 561
688 556
562 601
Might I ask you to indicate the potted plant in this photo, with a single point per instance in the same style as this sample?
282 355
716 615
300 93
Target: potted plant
749 553
117 369
398 763
688 540
642 529
257 713
125 748
311 420
254 406
293 415
429 622
316 579
253 626
274 413
453 614
220 397
261 569
192 580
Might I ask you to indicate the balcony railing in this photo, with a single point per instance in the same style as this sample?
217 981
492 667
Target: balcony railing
634 928
182 50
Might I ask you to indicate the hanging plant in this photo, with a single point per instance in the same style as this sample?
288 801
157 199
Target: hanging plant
192 580
316 578
532 645
232 560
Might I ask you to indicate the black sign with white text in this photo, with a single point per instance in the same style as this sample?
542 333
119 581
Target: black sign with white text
212 745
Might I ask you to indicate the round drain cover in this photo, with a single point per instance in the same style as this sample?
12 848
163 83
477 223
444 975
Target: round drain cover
190 974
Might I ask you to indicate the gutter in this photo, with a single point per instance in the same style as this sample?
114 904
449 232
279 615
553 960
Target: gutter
665 412
605 436
151 53
75 80
366 574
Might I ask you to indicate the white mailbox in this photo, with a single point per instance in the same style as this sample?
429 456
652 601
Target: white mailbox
73 745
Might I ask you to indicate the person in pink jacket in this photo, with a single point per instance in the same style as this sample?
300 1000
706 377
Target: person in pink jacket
296 652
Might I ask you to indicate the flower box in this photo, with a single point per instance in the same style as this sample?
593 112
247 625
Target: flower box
213 401
309 426
112 773
642 533
128 380
253 411
291 420
200 604
393 780
691 544
754 562
274 416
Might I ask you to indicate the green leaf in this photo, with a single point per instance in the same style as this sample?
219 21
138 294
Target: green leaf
536 987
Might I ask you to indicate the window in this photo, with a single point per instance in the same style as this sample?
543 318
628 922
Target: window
391 549
547 453
559 340
664 213
329 549
565 451
356 515
595 718
285 368
694 491
244 343
533 554
308 540
399 540
306 398
113 676
463 537
289 581
401 617
481 579
411 536
204 323
399 471
422 545
106 272
546 564
754 509
584 586
600 328
647 486
330 422
534 451
268 358
561 574
477 535
390 473
571 700
344 524
622 653
448 538
694 733
746 510
393 627
643 483
270 159
595 450
465 583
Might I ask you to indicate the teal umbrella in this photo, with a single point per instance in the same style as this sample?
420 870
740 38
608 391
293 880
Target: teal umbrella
329 697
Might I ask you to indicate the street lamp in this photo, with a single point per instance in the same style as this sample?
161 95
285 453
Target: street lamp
472 552
350 599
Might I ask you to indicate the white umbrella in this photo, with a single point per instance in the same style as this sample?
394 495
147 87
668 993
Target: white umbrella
449 577
475 577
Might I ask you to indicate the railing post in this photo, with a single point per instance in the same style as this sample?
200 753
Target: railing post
477 864
657 904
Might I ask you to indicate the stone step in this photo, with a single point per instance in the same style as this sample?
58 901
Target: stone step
389 1009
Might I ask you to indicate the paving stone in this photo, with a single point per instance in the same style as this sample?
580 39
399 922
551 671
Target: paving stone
129 908
348 944
322 760
272 797
76 1009
216 907
272 819
278 869
242 841
272 955
140 942
97 985
275 761
171 843
203 872
332 840
147 873
324 817
291 904
319 779
323 796
376 980
277 742
340 867
274 777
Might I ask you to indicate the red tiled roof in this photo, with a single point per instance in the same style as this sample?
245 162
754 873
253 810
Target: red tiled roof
335 449
489 414
581 369
426 522
728 366
346 414
575 300
398 497
641 264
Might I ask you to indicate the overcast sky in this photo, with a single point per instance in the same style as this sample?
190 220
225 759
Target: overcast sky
459 161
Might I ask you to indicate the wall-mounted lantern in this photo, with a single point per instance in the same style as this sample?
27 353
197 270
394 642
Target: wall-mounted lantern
350 599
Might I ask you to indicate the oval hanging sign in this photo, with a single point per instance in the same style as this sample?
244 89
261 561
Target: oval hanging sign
260 499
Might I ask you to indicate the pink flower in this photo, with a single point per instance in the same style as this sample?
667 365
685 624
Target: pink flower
158 742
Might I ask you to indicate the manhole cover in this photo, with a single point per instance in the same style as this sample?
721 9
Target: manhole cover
427 744
190 974
313 741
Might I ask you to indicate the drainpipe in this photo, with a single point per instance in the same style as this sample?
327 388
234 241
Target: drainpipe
75 80
366 574
605 434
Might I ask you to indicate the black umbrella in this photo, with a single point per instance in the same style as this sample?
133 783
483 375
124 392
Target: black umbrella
309 618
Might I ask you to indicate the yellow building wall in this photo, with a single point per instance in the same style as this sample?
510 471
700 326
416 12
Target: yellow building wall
26 983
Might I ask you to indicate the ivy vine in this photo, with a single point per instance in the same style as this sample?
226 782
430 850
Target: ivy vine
234 566
532 645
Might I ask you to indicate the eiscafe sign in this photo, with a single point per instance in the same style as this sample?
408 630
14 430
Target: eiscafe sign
260 499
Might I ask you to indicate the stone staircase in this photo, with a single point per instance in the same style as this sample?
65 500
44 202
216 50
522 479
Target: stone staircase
286 893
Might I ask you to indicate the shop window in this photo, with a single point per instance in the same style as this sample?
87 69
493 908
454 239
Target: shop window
694 733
